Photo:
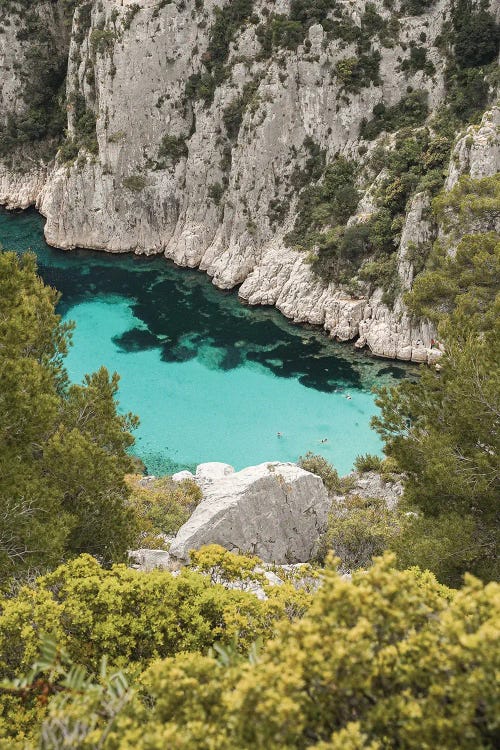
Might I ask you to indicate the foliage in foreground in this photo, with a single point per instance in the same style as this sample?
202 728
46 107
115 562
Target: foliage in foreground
133 618
62 448
391 659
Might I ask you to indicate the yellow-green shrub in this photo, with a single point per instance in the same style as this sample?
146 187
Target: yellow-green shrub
160 507
390 659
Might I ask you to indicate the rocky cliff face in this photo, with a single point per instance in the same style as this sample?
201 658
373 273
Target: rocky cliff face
194 127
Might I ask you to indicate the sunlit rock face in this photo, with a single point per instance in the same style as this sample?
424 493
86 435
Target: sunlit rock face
276 511
210 180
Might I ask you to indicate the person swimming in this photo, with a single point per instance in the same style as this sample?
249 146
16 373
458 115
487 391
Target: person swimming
325 440
279 434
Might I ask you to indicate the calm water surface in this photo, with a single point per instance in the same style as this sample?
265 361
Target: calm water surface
211 379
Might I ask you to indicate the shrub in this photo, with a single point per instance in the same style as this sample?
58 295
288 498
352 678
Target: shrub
388 659
102 40
130 616
368 462
135 182
415 7
235 110
173 148
160 507
328 204
228 21
341 252
216 192
354 73
320 466
358 530
383 273
477 37
467 280
411 110
467 93
69 150
418 61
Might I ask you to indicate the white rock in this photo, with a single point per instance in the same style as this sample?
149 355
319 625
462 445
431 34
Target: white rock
371 485
149 559
478 152
276 511
137 91
181 476
212 470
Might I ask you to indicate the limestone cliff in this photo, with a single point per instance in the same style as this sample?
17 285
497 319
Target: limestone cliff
195 126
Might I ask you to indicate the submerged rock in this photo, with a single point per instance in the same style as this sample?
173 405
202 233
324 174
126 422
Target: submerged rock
274 510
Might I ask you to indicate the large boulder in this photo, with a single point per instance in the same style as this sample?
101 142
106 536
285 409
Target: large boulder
275 510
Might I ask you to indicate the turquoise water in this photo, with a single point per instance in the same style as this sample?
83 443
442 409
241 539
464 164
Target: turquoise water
211 379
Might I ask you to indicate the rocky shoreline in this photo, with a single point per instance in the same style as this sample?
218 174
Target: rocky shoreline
284 281
165 172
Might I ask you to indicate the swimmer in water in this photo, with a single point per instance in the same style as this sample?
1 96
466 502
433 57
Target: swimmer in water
325 440
279 434
348 397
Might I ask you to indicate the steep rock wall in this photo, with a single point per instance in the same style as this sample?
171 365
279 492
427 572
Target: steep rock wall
166 175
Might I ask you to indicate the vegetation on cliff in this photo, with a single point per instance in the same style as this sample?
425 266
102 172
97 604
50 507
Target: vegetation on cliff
390 658
442 430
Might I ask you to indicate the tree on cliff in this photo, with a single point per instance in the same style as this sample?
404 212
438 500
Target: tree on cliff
62 448
443 433
443 430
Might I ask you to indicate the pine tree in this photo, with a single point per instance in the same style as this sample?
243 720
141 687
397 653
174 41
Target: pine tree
62 448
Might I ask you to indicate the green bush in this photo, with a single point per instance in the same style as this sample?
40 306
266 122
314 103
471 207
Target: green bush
368 462
389 660
84 125
216 193
415 7
320 466
40 125
102 40
69 150
160 507
418 61
328 204
173 148
135 182
358 530
410 111
355 73
383 273
467 280
341 252
477 36
235 110
467 94
228 21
